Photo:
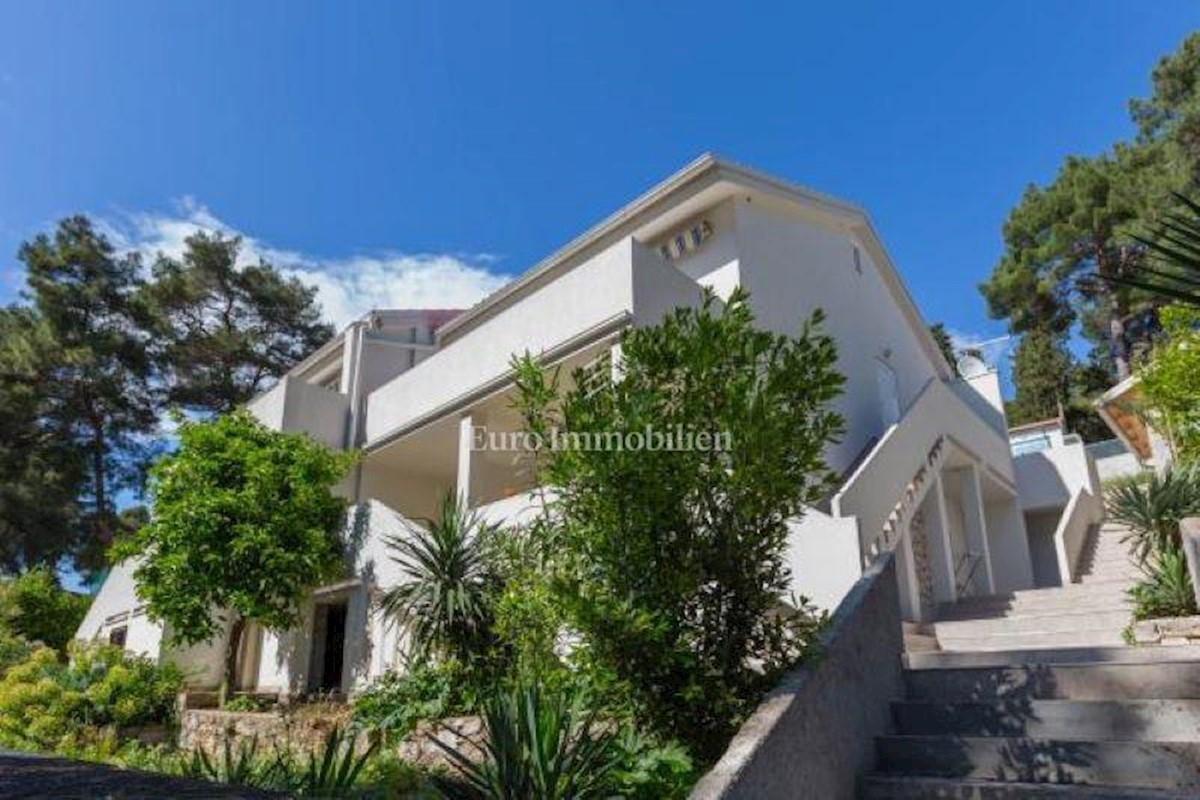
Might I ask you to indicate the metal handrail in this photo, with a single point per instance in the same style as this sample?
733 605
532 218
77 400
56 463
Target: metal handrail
971 561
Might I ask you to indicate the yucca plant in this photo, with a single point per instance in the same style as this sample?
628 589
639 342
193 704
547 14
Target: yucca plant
1152 508
334 769
544 745
1167 592
444 598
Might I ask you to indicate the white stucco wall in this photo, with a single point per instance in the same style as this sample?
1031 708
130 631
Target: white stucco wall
823 557
791 266
117 605
296 406
1049 478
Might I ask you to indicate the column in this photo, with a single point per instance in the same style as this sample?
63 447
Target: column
976 524
941 554
466 435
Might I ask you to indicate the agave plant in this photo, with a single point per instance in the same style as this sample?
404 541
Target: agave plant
334 769
543 745
1167 592
1152 508
241 765
444 599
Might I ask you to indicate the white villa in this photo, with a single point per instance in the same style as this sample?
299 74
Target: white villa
926 463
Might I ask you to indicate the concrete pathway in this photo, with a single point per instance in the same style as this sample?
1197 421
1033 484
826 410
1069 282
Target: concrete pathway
28 775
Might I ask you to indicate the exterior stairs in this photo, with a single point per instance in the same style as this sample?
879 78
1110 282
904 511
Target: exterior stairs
1037 698
1092 612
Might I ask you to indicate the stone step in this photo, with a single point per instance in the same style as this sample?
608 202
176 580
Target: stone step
891 787
1100 605
1062 655
1079 720
1160 765
1017 685
1072 593
1046 622
991 642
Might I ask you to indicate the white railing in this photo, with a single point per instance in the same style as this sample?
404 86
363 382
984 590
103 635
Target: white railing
888 486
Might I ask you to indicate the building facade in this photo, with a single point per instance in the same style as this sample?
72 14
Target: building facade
925 464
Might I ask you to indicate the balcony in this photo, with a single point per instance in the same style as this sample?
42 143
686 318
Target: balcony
295 406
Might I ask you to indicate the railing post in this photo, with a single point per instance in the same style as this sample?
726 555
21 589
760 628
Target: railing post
1189 532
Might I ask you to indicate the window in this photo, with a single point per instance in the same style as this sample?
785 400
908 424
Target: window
117 636
857 260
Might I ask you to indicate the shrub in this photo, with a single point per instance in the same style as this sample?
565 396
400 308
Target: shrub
670 562
45 703
35 607
537 745
396 702
1152 507
1170 380
1167 592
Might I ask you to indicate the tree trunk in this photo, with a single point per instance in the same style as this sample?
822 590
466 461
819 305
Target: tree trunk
231 656
101 522
1120 347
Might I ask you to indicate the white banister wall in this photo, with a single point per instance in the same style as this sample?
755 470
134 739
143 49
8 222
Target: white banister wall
625 283
295 405
1083 512
872 492
520 509
823 557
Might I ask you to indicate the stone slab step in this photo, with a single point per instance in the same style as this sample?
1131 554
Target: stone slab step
1020 685
991 642
1079 720
1102 606
889 787
1046 622
1159 765
1061 655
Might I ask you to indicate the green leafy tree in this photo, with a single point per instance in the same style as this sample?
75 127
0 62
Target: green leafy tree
244 522
1041 376
1063 242
670 562
225 331
1170 380
97 387
35 607
1171 115
945 345
41 471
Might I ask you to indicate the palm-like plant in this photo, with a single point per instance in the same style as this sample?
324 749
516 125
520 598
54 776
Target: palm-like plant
538 744
444 599
1175 243
1152 508
1167 591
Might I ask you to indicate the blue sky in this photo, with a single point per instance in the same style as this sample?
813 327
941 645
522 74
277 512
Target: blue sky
417 154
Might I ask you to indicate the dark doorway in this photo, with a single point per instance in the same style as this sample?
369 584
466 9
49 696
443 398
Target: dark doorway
331 624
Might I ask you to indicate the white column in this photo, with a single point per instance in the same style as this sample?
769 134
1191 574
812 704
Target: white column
906 575
975 521
466 431
941 556
618 368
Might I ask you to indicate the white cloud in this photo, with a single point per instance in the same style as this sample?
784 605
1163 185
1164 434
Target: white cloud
347 287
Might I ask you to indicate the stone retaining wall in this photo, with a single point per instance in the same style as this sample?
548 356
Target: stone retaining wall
302 729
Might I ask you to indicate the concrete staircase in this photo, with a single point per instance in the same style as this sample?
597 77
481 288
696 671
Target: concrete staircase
1037 698
1091 612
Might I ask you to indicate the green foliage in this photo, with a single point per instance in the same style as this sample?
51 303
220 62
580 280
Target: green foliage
246 703
537 744
669 563
1170 380
245 519
1041 375
45 703
95 387
1171 115
444 598
41 471
1167 592
13 650
945 345
394 703
651 770
222 333
36 608
1152 507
